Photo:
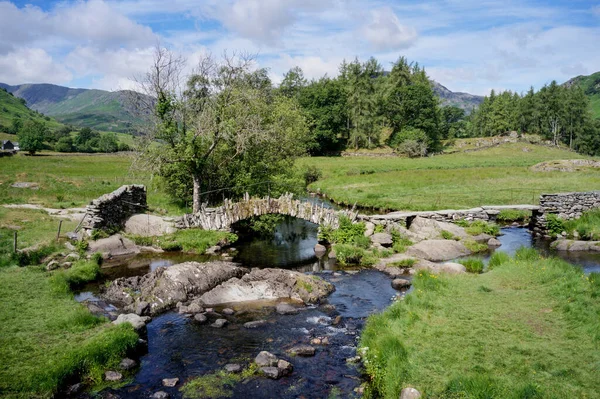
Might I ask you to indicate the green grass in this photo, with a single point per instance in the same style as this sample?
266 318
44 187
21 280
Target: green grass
216 385
11 108
587 226
46 337
408 262
193 240
513 215
494 176
74 180
530 328
473 265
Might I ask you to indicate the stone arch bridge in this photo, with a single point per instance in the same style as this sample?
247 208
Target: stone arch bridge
222 217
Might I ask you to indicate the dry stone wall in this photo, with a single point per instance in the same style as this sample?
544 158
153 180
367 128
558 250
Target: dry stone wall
566 206
112 210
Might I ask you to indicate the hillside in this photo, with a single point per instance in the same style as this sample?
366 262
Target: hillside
98 109
591 86
465 101
12 107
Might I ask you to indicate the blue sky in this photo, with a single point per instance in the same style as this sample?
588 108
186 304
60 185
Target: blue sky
466 45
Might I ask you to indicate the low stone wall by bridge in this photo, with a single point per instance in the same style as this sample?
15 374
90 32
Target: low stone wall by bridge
112 210
566 206
222 217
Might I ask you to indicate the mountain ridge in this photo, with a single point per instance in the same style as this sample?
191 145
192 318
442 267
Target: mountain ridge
591 87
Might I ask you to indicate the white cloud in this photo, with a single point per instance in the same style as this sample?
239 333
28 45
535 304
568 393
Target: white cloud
385 32
68 25
32 66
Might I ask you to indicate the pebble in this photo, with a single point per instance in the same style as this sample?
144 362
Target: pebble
170 382
219 323
113 376
233 368
127 364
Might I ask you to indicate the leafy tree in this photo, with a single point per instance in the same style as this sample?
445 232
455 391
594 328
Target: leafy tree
32 136
64 144
226 129
85 138
108 143
451 122
16 126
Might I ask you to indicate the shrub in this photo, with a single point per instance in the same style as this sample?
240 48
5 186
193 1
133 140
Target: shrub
472 265
554 225
408 262
351 255
378 228
587 226
412 149
311 174
400 242
348 232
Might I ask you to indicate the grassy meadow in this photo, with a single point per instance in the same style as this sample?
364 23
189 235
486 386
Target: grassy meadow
463 337
494 176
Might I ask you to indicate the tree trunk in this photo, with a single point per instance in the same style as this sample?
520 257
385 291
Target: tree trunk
196 195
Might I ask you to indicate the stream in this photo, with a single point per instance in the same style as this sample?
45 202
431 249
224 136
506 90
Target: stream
179 347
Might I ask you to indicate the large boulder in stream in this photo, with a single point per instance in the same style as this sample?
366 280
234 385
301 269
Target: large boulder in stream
576 246
429 229
268 284
115 245
164 287
149 225
438 250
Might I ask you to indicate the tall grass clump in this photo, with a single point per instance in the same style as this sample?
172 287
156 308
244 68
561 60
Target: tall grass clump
352 255
587 226
478 227
497 259
508 333
513 215
81 272
473 265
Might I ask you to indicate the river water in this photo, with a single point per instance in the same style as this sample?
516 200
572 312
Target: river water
179 347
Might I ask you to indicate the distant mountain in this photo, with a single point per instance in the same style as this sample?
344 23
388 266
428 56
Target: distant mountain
12 108
98 109
591 86
466 101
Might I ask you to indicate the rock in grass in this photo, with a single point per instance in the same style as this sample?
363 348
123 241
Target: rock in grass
228 311
127 364
255 323
410 393
52 265
170 382
113 376
265 359
400 283
302 350
233 368
383 239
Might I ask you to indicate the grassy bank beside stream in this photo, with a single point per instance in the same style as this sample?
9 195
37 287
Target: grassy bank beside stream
529 328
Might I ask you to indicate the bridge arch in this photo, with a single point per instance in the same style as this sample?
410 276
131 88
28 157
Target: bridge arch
222 217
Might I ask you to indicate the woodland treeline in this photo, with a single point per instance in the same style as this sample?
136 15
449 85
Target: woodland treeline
366 107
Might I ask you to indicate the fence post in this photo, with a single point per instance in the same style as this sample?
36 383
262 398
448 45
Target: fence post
59 227
15 242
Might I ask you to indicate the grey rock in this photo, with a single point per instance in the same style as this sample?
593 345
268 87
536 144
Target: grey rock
271 372
438 250
302 350
285 367
138 322
194 308
200 318
219 323
113 376
268 284
286 309
255 324
337 320
74 389
170 382
320 250
400 283
383 239
72 257
149 225
452 268
332 254
494 242
213 250
115 245
160 395
66 265
142 308
52 265
410 393
228 311
164 287
127 364
265 359
233 368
